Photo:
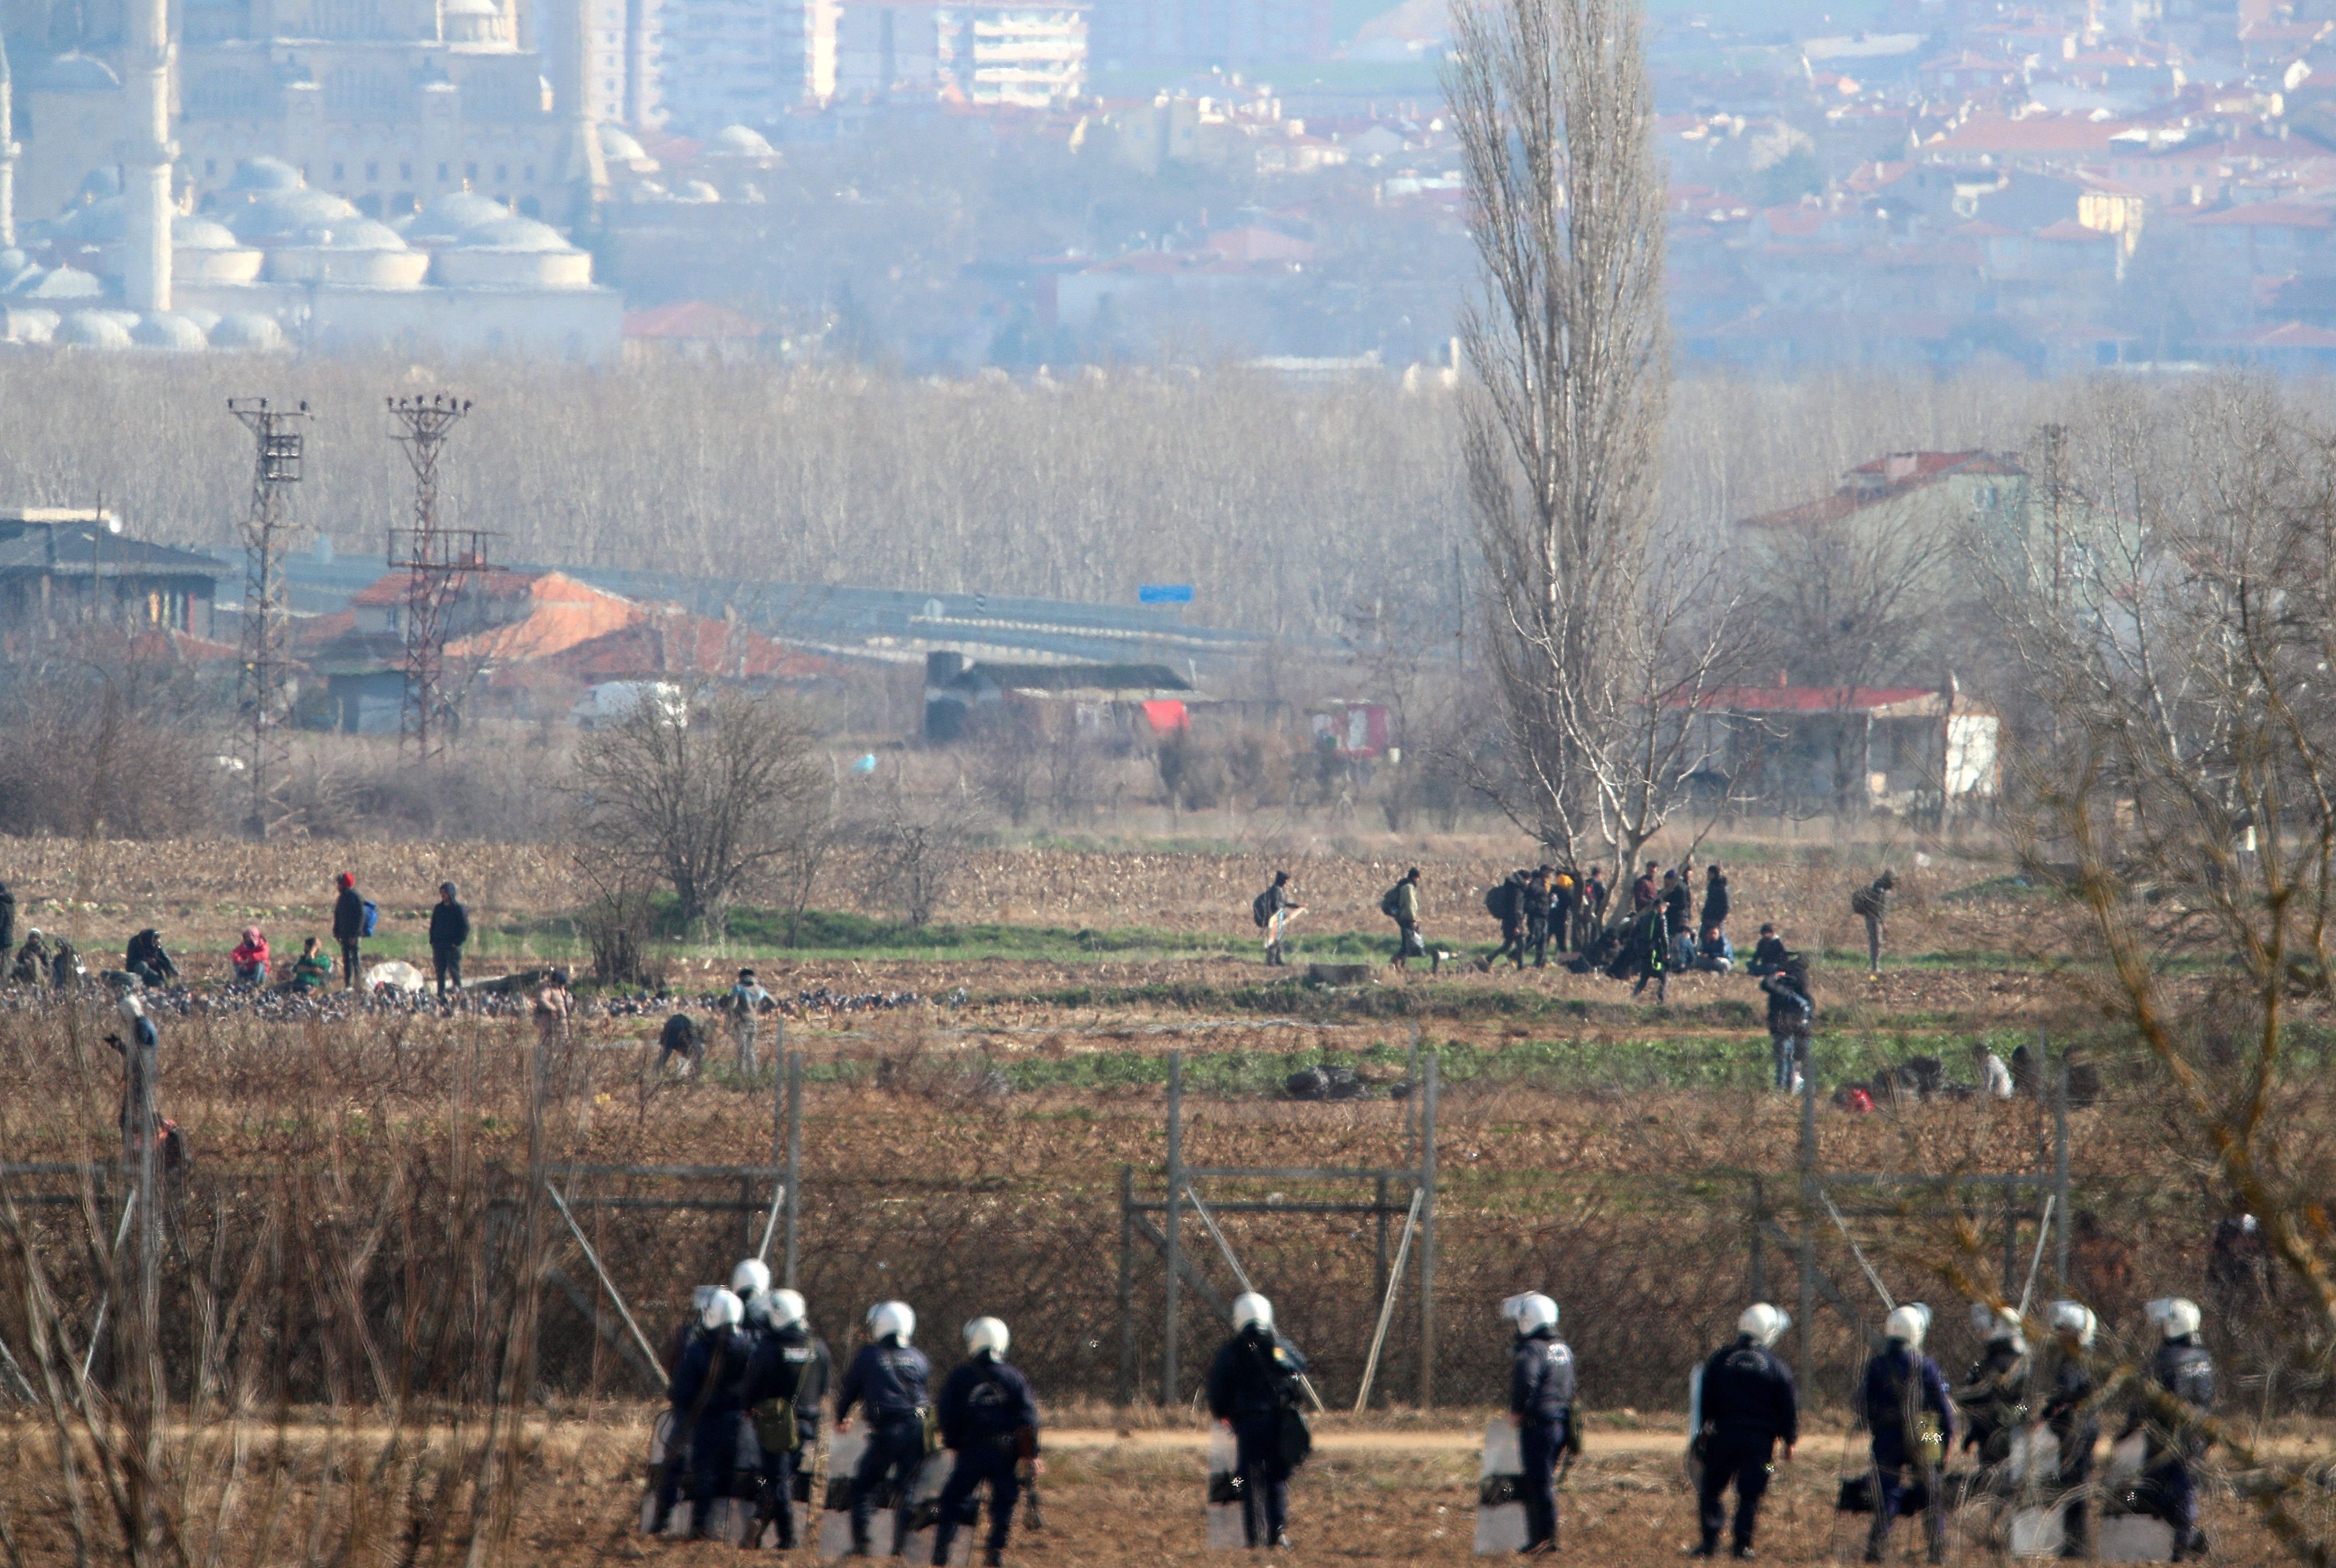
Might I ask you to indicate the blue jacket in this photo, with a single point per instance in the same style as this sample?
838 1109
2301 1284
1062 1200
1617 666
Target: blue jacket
1748 1392
890 1379
983 1401
726 1394
1541 1379
1887 1379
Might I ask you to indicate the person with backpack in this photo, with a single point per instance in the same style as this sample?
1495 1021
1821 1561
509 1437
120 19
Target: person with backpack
785 1385
1562 894
1589 913
890 1379
1871 903
1253 1391
1504 900
707 1392
746 1004
990 1423
1677 900
2183 1370
1910 1418
348 928
1272 909
1400 903
450 927
1536 897
1541 1407
681 1037
1792 1013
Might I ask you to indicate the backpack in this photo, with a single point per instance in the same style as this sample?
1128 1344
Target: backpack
1258 910
1864 901
1501 901
371 915
1391 902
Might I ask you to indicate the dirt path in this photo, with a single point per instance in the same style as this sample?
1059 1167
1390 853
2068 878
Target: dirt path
1384 1442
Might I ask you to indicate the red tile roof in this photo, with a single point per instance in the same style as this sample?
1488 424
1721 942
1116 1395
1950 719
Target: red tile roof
684 644
693 320
1884 479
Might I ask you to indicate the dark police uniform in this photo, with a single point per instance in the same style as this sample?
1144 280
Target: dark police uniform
985 1408
1901 1385
890 1380
2067 1412
1253 1381
1994 1401
789 1364
2183 1369
1749 1406
1540 1398
708 1392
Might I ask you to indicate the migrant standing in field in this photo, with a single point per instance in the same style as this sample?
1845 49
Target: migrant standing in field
1717 903
1589 918
890 1379
1911 1421
990 1423
746 1004
1792 1017
2183 1369
7 918
1254 1390
1871 903
2067 1389
450 927
1536 906
552 1007
1749 1404
785 1388
1541 1407
348 928
1273 910
1563 895
247 960
1676 900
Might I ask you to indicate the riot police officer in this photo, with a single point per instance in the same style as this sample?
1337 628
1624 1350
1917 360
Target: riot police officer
2183 1369
1253 1389
990 1422
890 1378
2067 1393
789 1377
1749 1404
1912 1425
1540 1406
708 1391
1994 1398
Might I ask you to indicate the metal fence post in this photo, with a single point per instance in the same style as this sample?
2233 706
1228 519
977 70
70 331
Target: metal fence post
2060 1171
1170 1378
1427 1234
1804 1310
795 1157
1125 1388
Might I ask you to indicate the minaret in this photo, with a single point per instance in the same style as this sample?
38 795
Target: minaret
585 169
147 153
8 150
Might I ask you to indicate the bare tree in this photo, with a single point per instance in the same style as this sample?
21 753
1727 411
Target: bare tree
915 847
701 794
1562 421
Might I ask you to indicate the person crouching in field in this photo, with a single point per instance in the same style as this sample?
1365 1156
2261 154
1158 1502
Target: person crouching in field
248 957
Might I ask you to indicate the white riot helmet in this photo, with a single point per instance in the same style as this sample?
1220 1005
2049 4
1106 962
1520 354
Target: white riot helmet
1763 1324
1530 1312
1908 1325
723 1309
783 1309
2000 1324
1250 1309
2073 1319
985 1334
751 1277
889 1319
2174 1316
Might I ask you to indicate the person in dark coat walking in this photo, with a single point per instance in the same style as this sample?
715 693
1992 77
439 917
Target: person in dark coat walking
1792 1015
1252 1389
707 1392
990 1422
1715 901
789 1364
1590 911
1679 902
1911 1419
450 927
1541 1407
1749 1404
890 1380
348 928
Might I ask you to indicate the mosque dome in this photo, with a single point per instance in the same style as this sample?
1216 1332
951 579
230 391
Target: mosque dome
618 144
355 253
31 326
246 330
514 253
204 251
278 216
91 329
167 330
201 234
204 320
74 73
738 141
261 176
452 216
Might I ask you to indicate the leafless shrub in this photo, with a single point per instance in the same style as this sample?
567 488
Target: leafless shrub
97 741
913 848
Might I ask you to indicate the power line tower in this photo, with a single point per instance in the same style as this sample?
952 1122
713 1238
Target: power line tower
264 683
436 560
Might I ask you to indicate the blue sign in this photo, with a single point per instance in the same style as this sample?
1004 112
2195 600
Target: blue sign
1164 593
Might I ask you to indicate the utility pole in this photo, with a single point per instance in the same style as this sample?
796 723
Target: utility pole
264 684
436 561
